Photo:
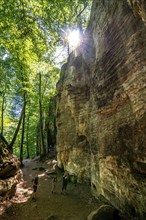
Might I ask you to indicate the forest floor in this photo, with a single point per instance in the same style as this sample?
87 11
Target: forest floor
75 205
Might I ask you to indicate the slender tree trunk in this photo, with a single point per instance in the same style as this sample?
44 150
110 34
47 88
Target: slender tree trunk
38 145
41 130
22 135
21 115
41 117
2 115
22 140
27 137
17 128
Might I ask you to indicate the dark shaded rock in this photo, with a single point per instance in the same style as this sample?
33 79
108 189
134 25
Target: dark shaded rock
51 217
101 107
10 173
105 212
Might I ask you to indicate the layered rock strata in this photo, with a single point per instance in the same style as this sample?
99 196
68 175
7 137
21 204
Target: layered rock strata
10 173
101 106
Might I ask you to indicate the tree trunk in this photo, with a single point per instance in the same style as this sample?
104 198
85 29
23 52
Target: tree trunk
17 129
41 118
3 109
27 137
38 145
2 115
23 131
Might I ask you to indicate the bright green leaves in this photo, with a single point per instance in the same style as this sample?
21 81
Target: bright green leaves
40 23
31 32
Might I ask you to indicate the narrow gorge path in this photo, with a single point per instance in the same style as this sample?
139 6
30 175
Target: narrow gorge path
76 205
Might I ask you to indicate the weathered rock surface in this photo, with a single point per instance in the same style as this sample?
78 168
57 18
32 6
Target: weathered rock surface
139 8
104 212
10 173
101 109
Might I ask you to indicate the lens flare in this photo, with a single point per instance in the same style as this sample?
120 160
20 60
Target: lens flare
74 38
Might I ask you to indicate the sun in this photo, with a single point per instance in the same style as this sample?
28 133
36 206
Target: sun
74 38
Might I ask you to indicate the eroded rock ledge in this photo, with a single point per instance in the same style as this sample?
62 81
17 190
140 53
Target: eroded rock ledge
101 109
10 173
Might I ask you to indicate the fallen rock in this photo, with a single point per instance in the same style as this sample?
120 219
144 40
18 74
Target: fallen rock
10 173
51 217
104 212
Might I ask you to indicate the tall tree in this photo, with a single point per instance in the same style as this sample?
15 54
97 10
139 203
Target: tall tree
17 129
23 131
2 112
31 32
27 132
41 117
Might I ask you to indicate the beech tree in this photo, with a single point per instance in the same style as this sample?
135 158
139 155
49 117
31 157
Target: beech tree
30 34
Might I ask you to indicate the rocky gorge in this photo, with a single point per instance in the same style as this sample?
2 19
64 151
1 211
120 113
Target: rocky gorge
101 106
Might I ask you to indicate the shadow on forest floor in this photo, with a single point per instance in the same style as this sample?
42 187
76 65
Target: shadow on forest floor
75 205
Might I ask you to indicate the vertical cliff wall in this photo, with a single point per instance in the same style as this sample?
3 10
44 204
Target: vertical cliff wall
101 106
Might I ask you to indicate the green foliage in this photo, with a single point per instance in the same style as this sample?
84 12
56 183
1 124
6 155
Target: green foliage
30 33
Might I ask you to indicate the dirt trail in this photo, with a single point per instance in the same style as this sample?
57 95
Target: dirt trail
76 205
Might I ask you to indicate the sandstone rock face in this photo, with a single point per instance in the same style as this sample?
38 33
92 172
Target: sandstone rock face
139 8
101 106
10 173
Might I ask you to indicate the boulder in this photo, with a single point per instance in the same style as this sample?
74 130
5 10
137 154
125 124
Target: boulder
10 173
104 212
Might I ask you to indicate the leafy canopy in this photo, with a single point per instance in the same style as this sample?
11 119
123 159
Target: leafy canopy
30 34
